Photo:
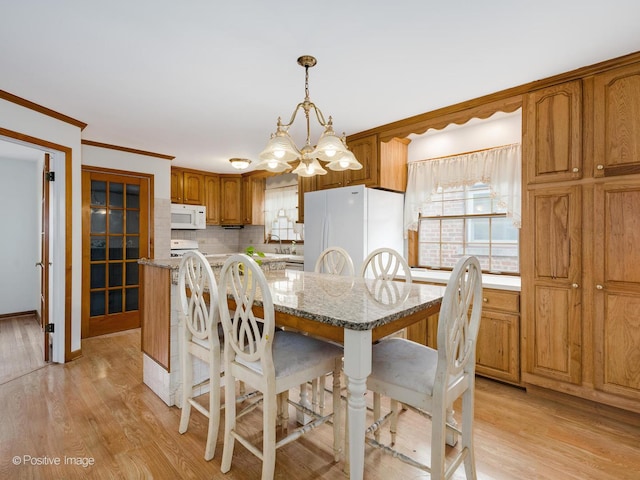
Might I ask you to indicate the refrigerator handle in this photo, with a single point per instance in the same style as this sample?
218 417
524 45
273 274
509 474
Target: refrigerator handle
325 231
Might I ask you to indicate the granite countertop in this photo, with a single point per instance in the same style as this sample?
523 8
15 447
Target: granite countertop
270 260
348 302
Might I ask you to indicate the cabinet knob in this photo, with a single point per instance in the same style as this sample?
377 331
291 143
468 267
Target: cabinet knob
574 285
575 170
599 287
485 300
599 167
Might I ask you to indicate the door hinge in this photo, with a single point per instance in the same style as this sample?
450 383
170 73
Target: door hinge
51 176
49 328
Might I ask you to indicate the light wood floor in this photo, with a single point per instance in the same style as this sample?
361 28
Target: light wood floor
21 343
97 407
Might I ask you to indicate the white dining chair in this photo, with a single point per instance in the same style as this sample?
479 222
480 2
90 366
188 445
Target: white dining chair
271 361
429 381
385 264
336 261
199 339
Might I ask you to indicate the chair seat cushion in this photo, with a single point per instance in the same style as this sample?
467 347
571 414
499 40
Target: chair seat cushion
294 352
405 364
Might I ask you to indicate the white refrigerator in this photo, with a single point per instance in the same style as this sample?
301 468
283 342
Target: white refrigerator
355 218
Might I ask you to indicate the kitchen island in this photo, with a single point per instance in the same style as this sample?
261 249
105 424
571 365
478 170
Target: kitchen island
159 317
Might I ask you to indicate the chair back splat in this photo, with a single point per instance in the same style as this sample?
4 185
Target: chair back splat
336 261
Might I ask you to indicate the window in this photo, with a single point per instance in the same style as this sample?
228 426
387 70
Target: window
467 204
281 213
467 220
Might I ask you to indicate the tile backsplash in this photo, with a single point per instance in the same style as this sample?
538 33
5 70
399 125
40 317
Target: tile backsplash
215 239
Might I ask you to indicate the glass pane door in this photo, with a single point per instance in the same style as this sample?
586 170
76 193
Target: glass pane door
115 228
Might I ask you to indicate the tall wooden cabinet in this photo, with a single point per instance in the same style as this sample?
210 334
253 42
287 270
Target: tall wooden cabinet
581 231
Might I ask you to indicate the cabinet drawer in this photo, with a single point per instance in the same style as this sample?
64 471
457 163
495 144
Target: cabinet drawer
501 300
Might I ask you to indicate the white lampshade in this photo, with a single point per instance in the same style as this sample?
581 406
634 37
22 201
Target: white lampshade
273 165
329 147
346 161
309 169
280 147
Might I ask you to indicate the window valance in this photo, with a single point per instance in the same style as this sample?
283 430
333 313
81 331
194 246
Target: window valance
499 167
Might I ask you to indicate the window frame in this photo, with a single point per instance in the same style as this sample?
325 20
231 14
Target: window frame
466 243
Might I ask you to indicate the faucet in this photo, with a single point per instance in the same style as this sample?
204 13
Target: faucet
271 235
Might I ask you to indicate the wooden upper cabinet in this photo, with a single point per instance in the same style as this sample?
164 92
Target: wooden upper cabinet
176 185
253 200
366 151
212 198
616 117
384 165
193 188
552 133
231 200
187 186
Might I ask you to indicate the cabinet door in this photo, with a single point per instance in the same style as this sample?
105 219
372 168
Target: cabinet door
176 185
616 114
231 200
366 151
212 198
617 288
551 290
253 200
498 347
193 188
552 140
332 179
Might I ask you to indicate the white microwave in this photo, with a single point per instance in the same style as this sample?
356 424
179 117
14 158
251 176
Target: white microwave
188 217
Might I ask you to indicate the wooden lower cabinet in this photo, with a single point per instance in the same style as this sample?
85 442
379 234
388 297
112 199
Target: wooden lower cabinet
498 346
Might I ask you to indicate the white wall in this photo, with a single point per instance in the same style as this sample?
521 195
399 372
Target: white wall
158 167
19 244
497 130
29 122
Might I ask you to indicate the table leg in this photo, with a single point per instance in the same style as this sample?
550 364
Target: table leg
357 367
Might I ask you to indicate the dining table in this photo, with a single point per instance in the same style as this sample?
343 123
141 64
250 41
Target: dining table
356 312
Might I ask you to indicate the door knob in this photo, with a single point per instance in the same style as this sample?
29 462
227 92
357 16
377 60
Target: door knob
39 264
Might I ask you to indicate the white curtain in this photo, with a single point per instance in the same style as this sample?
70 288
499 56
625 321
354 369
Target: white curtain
499 167
281 201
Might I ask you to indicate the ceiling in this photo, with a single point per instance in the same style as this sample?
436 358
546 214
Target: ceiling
205 80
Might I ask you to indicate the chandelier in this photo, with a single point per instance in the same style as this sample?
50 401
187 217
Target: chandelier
281 150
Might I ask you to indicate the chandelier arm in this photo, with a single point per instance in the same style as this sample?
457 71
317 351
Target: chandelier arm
293 115
323 123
